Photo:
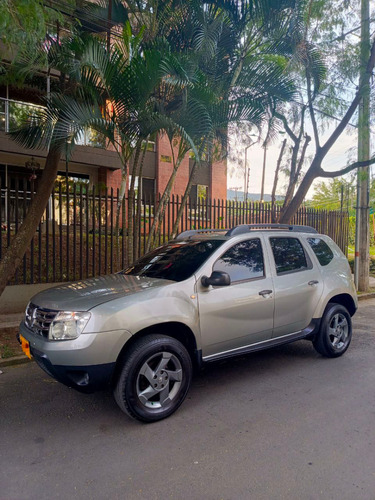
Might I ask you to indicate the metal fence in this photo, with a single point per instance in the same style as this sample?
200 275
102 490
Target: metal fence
77 237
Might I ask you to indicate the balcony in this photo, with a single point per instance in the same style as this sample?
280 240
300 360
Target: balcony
90 150
13 114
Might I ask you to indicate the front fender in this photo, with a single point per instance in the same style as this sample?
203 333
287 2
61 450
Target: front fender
173 303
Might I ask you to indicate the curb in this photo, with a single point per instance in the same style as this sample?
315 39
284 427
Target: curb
365 296
15 360
22 360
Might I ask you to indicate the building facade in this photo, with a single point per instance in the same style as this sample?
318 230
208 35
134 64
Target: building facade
92 161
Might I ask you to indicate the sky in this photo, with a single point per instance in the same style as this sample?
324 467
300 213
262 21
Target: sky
337 158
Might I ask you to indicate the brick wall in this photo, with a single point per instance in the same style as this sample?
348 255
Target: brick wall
164 168
218 174
109 178
218 184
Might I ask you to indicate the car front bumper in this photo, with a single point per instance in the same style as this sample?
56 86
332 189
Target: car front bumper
86 363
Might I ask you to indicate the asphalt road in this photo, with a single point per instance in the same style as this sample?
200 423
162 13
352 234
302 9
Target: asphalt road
281 424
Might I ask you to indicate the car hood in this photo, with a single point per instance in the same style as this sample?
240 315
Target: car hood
86 294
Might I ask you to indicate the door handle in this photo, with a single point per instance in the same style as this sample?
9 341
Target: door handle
313 282
265 292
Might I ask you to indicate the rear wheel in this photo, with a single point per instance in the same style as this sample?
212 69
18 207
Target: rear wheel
154 379
335 332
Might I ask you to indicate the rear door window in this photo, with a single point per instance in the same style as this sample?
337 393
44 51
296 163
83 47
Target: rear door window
289 255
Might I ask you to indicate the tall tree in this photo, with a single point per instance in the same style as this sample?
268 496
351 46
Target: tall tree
318 100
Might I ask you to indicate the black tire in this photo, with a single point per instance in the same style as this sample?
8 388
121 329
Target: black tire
154 379
335 333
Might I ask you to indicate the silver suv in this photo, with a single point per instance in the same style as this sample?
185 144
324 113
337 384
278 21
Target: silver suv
205 296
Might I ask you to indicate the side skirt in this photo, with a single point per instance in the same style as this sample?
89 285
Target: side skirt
307 333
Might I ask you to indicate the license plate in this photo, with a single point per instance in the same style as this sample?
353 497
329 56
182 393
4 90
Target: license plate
25 346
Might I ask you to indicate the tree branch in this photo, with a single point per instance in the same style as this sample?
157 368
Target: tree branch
302 157
345 120
349 168
312 112
276 178
288 130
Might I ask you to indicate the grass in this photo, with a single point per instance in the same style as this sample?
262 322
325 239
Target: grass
351 251
9 345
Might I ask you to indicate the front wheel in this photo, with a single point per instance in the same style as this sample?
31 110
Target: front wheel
154 379
335 332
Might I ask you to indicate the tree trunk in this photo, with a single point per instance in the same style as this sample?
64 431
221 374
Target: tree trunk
139 206
276 178
184 200
159 214
293 168
168 191
124 178
288 212
14 254
131 199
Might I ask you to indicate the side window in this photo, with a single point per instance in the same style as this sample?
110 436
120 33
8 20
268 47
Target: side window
243 261
322 251
289 255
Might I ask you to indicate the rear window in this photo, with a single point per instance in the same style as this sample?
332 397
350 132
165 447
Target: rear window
322 251
176 261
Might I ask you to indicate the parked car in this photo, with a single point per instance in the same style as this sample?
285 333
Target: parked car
205 296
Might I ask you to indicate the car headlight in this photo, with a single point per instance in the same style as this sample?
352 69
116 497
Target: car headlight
68 325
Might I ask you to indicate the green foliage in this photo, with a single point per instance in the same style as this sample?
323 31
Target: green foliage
329 195
24 25
25 21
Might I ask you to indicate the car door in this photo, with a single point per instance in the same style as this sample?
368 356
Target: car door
298 285
240 314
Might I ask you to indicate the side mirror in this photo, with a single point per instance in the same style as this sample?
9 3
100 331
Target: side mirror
217 278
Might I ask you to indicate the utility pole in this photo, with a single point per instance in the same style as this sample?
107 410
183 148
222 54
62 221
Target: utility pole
361 261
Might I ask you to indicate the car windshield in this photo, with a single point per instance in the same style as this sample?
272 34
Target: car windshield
175 261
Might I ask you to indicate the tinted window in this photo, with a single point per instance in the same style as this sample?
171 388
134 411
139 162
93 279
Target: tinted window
288 254
175 261
243 261
321 250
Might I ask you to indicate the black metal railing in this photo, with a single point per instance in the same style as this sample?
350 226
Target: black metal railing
77 236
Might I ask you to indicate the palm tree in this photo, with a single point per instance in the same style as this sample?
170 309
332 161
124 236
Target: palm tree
240 76
192 70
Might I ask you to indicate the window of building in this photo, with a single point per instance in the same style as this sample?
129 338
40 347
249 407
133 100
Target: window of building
150 145
2 115
244 261
91 137
289 255
321 250
15 192
198 192
81 181
148 191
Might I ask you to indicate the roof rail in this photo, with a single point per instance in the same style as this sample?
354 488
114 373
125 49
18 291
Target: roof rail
192 232
244 228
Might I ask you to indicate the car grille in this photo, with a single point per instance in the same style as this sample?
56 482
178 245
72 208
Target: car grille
38 320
